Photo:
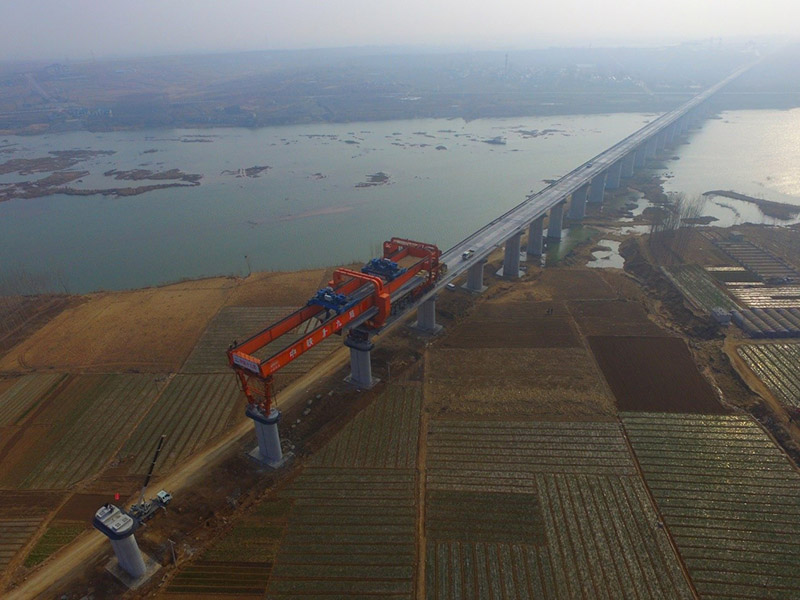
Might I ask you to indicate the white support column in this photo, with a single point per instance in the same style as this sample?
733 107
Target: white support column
577 206
556 222
426 318
535 237
511 256
598 188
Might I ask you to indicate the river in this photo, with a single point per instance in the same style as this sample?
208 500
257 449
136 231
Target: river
306 210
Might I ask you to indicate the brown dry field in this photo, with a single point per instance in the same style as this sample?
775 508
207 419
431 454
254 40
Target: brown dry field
654 374
150 330
6 383
613 317
15 503
81 507
563 284
519 383
515 325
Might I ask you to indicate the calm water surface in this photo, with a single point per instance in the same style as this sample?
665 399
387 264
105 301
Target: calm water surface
753 152
305 211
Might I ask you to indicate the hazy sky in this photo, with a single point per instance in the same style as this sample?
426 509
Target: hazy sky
77 28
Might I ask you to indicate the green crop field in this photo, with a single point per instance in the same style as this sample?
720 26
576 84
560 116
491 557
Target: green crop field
778 366
541 510
239 323
19 400
56 536
81 441
730 498
384 435
13 535
192 410
699 287
351 534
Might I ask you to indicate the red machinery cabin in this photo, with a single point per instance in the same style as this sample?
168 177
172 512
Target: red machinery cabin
350 296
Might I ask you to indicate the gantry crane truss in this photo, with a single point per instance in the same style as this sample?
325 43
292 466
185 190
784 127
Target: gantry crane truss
363 298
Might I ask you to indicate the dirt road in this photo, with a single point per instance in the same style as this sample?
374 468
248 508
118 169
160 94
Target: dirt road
83 550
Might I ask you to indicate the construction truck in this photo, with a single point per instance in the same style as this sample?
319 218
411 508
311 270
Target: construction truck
146 510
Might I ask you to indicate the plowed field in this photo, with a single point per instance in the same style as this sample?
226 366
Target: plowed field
653 374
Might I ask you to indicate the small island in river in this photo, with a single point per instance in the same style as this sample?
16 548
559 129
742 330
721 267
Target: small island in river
777 210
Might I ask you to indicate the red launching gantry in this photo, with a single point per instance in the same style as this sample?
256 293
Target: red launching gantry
353 299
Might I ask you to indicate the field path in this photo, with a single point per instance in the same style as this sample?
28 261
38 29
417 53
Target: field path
81 553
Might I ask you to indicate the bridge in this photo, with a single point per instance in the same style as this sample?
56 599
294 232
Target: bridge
584 185
365 299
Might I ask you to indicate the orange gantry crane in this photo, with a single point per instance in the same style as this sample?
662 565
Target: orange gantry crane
364 299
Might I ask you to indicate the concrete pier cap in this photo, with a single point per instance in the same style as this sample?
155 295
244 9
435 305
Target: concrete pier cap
426 318
131 567
360 361
268 451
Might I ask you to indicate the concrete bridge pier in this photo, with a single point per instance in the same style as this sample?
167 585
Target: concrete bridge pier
577 206
640 157
556 222
612 176
671 134
628 164
652 147
269 450
511 257
426 318
360 360
475 278
597 188
536 236
661 141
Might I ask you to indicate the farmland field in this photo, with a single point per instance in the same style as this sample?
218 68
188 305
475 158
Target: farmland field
384 435
761 296
13 535
239 323
56 536
512 508
19 399
191 411
699 288
515 325
240 563
351 534
515 382
653 374
614 317
730 498
87 436
778 366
